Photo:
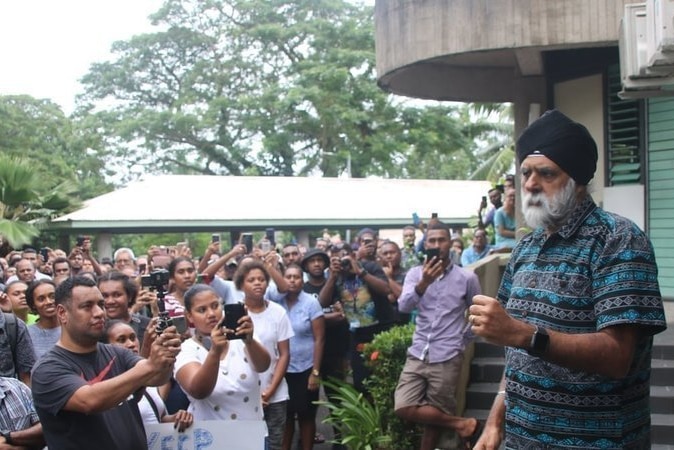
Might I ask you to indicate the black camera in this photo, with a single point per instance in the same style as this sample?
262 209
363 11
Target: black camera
156 279
346 264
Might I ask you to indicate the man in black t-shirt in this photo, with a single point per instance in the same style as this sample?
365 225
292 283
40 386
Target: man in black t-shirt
82 388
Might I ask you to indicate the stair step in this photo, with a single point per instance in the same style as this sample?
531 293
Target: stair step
662 399
662 349
662 428
662 372
481 395
487 350
487 369
479 414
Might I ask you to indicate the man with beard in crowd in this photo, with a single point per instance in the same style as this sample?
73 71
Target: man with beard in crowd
577 309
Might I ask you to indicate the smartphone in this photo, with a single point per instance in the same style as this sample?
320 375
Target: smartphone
269 233
215 237
431 253
80 241
141 268
265 245
181 323
434 215
484 199
44 252
233 312
247 240
415 219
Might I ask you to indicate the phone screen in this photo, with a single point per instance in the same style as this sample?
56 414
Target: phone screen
247 240
431 253
215 238
181 323
233 312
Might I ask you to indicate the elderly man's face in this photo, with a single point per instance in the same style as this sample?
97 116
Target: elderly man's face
25 271
541 174
548 193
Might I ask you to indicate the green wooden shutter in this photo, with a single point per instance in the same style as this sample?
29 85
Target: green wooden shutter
661 188
624 135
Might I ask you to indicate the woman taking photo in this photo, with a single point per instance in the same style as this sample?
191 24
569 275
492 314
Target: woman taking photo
274 330
219 375
306 352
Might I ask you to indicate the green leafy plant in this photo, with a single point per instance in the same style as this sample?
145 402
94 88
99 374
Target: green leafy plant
385 356
358 420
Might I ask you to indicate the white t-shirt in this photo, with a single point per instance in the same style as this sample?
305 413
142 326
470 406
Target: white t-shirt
271 327
145 409
236 395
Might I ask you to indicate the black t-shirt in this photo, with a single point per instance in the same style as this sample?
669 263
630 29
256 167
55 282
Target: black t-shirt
56 377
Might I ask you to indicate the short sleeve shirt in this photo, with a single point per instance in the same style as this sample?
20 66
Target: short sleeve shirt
597 271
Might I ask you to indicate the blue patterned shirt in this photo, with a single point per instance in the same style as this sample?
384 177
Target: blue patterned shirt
597 271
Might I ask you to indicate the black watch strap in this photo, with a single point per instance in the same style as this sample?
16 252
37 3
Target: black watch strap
540 341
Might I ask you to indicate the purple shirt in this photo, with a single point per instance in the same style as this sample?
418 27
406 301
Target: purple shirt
442 331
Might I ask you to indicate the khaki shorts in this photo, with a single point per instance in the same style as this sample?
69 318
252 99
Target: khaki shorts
422 383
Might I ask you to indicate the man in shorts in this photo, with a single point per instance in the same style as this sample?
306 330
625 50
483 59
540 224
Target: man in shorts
441 292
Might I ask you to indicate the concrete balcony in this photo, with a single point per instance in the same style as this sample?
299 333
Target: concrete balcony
484 50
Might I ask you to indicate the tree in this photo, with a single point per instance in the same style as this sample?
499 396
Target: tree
56 147
27 199
265 87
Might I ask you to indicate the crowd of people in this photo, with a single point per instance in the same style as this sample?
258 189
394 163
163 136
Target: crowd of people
307 314
90 350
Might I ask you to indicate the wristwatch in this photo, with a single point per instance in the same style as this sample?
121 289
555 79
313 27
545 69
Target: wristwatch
8 437
363 272
315 373
539 342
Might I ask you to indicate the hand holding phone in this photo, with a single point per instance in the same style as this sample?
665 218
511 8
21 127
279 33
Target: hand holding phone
233 312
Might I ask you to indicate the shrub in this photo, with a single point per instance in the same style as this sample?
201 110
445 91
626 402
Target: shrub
386 356
358 420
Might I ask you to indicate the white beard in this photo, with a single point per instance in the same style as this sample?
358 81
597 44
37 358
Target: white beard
539 211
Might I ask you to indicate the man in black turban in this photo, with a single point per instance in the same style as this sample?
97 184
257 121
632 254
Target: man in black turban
577 308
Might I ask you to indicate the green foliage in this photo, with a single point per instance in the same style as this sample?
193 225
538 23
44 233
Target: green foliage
386 356
358 420
268 87
27 199
60 149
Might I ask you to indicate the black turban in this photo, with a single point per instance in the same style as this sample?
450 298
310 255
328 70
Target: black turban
562 140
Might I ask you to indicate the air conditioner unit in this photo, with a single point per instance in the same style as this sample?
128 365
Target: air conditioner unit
660 35
637 78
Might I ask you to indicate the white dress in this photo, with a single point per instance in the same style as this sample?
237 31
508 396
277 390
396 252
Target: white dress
236 395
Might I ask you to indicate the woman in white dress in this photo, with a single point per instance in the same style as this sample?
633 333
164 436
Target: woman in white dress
219 375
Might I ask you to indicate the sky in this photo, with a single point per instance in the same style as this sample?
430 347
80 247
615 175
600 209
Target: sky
46 46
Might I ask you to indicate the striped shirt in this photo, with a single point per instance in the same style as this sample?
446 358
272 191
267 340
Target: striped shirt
16 406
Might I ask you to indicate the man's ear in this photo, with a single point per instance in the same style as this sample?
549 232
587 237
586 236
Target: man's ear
61 314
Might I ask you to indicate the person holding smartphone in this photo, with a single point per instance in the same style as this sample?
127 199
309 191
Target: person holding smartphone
441 292
220 376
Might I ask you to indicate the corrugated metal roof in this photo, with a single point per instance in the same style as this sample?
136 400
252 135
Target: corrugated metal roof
202 203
